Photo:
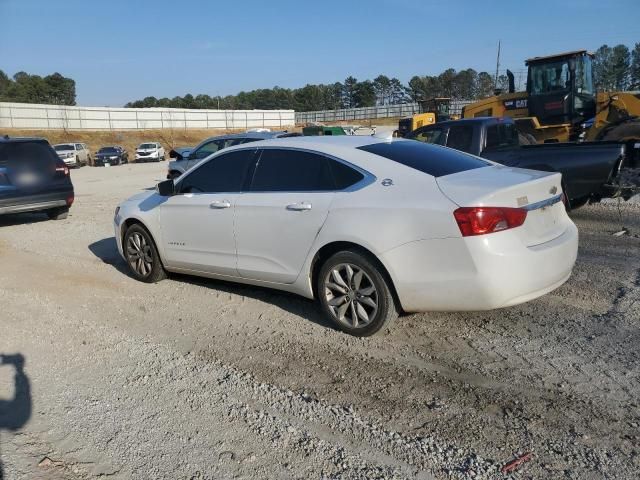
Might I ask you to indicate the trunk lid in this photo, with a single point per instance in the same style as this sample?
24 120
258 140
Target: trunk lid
497 186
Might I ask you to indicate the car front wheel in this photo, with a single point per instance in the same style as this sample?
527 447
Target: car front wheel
355 294
142 256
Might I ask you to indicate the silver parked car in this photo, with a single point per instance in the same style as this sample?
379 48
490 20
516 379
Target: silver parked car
186 158
73 154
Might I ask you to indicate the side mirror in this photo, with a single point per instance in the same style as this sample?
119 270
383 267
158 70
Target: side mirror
192 156
166 188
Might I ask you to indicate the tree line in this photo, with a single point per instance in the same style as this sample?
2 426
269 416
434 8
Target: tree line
24 88
614 68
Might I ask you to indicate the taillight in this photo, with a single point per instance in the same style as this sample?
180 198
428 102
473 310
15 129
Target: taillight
70 200
482 220
63 169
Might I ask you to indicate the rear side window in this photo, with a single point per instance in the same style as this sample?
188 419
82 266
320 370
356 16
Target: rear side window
430 159
502 135
225 173
432 135
460 137
292 171
343 175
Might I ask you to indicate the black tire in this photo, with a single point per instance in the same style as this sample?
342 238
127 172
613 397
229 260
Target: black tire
58 213
150 261
379 317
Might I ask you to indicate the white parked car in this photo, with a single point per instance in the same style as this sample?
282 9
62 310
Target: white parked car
73 154
367 226
149 152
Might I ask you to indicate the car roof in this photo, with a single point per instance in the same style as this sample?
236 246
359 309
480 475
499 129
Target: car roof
337 145
8 139
259 135
466 121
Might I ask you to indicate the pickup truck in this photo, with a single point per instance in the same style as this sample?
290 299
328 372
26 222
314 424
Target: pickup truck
590 170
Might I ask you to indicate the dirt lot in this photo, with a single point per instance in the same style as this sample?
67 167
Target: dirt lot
193 378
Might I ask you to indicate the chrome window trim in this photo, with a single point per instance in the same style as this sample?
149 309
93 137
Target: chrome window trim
368 177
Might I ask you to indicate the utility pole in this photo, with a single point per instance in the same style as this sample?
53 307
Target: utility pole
497 66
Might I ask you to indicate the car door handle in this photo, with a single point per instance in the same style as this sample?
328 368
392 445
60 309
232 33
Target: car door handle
299 206
220 204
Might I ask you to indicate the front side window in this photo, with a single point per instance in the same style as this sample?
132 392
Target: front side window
292 171
550 77
460 137
435 135
208 149
225 173
584 75
78 146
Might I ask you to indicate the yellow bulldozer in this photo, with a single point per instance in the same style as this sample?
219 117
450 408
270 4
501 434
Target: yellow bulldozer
430 111
561 104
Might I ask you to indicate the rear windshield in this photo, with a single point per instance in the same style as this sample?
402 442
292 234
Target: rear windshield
431 159
60 148
147 146
33 154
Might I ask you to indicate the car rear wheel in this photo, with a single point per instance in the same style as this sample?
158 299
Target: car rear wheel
58 213
142 256
355 294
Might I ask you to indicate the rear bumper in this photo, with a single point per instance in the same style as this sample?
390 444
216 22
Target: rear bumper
479 273
36 203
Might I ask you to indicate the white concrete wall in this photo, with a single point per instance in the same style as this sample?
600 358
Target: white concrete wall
51 117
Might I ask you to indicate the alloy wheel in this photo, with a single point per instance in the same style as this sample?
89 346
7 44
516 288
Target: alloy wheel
351 295
139 254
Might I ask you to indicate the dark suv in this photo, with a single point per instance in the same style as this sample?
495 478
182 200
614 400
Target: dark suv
33 178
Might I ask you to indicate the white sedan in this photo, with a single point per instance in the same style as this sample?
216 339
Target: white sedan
368 226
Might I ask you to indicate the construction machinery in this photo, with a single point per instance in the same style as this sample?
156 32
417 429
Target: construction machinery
430 111
560 104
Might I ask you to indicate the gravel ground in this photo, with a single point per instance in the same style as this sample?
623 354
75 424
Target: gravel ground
193 378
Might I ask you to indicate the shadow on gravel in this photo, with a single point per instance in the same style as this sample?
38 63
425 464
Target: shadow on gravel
107 251
22 219
295 304
15 412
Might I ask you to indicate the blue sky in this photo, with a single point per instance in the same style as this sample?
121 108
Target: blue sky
121 50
